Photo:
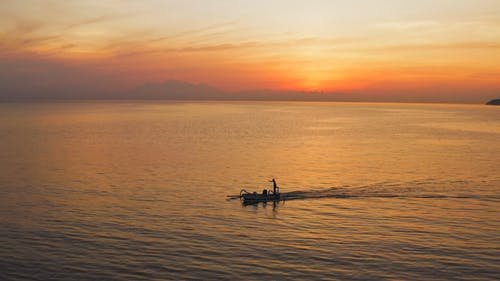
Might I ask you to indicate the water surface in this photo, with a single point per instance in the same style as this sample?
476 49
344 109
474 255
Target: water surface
138 190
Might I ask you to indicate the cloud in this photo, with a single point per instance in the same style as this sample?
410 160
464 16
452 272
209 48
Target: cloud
408 25
92 20
463 45
26 33
23 32
127 48
195 31
35 77
223 54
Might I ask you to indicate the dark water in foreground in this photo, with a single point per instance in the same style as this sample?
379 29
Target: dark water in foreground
131 191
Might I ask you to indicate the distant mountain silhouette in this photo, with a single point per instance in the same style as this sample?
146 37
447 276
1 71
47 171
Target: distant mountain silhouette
180 90
494 102
39 78
292 95
76 84
175 89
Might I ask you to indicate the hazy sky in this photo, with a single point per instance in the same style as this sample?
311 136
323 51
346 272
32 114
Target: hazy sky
446 49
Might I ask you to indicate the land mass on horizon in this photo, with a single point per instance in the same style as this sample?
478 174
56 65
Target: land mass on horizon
182 90
494 102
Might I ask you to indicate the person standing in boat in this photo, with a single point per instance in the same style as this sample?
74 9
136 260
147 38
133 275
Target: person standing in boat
275 186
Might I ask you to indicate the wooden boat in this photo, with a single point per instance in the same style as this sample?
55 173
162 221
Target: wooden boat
259 197
265 196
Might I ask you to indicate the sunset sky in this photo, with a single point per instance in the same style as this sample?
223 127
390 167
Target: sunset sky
446 50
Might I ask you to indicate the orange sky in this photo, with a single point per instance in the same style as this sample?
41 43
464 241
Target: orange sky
401 48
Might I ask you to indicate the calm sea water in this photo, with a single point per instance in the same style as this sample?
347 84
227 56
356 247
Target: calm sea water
139 190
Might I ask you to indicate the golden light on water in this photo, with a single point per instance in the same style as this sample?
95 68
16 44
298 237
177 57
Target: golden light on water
389 189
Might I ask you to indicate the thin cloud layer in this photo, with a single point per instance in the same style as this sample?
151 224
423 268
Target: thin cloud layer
423 50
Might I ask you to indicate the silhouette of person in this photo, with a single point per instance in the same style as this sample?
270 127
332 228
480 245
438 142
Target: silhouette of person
275 186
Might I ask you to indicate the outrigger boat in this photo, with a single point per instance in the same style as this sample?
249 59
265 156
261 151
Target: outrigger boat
265 196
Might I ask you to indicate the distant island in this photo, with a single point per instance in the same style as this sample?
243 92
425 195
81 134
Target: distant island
494 102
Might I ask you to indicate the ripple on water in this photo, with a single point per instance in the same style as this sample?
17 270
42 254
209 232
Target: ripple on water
127 191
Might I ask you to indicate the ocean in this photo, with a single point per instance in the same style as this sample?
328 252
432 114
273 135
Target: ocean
147 190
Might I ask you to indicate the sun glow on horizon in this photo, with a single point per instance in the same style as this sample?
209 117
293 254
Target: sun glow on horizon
282 45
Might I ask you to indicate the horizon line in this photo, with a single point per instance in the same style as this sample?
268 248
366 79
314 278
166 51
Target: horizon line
69 99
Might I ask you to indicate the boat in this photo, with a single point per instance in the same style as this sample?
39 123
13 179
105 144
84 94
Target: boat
255 197
265 196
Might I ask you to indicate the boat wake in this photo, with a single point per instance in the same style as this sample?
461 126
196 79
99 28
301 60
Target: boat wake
341 192
383 191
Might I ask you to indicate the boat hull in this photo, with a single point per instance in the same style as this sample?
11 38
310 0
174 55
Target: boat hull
255 197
